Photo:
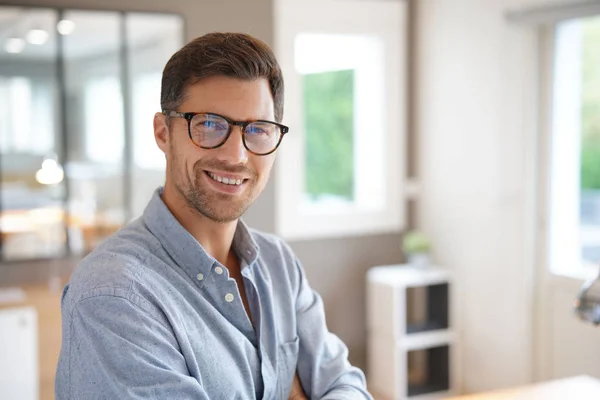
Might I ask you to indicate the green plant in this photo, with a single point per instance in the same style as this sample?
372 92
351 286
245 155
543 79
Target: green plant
415 242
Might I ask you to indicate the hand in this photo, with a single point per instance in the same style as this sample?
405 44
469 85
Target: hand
297 393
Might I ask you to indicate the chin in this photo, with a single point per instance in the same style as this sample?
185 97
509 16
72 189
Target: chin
224 213
222 218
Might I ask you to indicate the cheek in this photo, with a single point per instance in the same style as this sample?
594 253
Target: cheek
183 161
264 166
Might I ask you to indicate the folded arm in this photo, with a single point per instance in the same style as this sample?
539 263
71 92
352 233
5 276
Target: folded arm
323 365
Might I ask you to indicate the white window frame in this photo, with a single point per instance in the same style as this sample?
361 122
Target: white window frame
387 21
560 166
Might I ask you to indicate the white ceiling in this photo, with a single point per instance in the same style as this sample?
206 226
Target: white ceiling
96 32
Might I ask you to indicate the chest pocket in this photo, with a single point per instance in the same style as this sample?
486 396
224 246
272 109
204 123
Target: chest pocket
287 363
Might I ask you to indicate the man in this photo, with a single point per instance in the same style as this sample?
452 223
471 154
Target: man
187 302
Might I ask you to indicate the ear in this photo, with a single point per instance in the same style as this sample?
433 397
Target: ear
161 132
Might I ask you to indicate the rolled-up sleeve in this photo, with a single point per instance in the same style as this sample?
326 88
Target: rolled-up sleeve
323 366
115 349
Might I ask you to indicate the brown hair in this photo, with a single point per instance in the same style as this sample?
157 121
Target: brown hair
235 55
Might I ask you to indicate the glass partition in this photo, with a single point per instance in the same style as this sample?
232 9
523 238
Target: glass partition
95 127
32 218
78 91
151 40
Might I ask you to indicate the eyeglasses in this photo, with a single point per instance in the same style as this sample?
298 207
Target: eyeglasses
209 131
586 305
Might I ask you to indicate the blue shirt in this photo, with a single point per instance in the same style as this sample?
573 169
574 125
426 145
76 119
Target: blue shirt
150 315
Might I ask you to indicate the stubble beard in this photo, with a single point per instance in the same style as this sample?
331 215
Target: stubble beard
218 207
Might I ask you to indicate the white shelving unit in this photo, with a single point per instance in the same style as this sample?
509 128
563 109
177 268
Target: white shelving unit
412 347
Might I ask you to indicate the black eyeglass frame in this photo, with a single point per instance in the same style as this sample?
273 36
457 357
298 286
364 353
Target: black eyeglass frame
188 116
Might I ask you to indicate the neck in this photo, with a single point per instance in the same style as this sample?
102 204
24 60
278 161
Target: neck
215 237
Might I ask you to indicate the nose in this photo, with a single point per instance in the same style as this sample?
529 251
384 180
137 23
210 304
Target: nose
233 150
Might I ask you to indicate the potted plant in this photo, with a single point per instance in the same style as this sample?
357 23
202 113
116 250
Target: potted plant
417 246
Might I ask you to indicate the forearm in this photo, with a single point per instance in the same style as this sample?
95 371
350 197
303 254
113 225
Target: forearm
347 393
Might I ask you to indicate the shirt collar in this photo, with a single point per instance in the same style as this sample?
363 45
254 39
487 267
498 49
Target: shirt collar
244 244
183 248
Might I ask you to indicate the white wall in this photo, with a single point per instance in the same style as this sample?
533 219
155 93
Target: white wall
476 124
471 165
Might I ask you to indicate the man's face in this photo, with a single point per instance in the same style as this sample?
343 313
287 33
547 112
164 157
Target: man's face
194 172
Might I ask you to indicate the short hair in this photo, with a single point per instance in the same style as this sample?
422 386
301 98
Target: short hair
236 55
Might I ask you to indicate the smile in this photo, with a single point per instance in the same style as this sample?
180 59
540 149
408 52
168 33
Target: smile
225 180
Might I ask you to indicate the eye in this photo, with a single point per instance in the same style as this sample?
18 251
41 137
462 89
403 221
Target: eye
210 123
260 129
255 129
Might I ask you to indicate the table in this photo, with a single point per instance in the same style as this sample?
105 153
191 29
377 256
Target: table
581 387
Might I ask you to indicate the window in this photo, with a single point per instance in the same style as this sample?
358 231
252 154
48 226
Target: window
329 103
104 120
146 99
148 56
575 146
20 98
71 149
340 170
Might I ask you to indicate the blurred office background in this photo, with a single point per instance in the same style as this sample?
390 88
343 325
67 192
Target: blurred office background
474 122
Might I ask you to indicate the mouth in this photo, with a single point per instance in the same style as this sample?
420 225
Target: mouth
226 183
231 181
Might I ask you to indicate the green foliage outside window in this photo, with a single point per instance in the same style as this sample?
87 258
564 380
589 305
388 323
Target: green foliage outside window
329 123
590 146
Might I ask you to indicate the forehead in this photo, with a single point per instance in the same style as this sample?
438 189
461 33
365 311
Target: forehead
236 98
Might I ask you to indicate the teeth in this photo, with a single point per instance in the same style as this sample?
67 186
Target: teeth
226 181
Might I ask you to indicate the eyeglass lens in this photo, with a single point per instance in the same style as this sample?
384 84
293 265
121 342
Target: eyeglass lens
209 130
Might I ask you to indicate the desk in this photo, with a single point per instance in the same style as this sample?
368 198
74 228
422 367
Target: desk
579 387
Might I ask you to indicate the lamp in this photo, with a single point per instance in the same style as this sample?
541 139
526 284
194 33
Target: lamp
65 27
586 305
50 173
37 36
14 45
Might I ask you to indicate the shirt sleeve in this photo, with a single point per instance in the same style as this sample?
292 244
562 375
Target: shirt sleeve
323 366
114 349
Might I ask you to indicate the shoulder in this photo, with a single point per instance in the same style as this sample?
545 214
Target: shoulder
272 246
278 257
269 241
113 268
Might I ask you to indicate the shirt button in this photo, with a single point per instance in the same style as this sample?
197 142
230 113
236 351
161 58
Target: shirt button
219 270
229 297
200 277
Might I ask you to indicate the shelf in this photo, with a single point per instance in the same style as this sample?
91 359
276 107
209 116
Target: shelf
409 310
427 308
428 326
428 370
432 389
407 276
426 340
433 396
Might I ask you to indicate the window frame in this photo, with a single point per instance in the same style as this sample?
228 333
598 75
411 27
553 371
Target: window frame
574 267
295 221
